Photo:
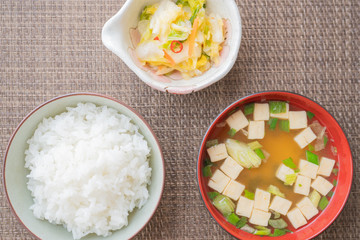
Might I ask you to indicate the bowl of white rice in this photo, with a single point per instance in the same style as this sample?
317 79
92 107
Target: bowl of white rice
83 166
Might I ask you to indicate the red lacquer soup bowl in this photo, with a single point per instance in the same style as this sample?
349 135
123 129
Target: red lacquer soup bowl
343 158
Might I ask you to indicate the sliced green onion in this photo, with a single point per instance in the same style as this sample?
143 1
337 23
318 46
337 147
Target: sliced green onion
311 148
233 219
275 190
290 179
277 107
312 157
259 153
241 223
255 145
310 115
212 143
284 125
335 171
315 198
289 163
278 223
213 195
249 195
232 132
207 162
334 182
323 203
330 194
263 231
249 108
224 204
325 140
278 232
272 123
207 171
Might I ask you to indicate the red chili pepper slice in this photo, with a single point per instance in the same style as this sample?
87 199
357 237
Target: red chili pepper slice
176 46
157 38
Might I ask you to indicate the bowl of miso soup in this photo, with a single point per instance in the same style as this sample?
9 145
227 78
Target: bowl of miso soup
274 164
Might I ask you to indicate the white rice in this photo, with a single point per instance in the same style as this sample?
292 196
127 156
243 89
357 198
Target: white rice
88 169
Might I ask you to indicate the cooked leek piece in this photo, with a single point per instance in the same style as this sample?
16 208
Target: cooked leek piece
278 223
323 203
290 179
242 153
315 198
248 229
255 145
275 190
224 204
276 214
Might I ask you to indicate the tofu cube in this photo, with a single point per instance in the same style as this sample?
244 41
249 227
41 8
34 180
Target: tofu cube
218 181
262 200
283 171
217 152
233 190
237 120
305 137
322 185
256 130
297 119
296 218
231 168
307 208
326 166
280 205
259 217
302 185
244 207
261 112
308 169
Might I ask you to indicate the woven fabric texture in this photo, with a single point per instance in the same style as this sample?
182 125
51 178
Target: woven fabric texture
50 47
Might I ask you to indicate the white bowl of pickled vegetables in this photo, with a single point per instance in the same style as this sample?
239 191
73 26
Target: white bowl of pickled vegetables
178 46
274 164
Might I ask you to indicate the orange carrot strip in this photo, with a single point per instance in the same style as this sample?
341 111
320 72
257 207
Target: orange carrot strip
193 36
169 58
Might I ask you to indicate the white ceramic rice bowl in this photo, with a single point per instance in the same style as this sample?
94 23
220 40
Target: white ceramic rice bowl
14 172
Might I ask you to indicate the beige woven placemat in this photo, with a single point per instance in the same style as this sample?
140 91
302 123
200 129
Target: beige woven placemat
49 48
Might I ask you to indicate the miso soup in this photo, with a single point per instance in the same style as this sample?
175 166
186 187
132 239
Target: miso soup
270 168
